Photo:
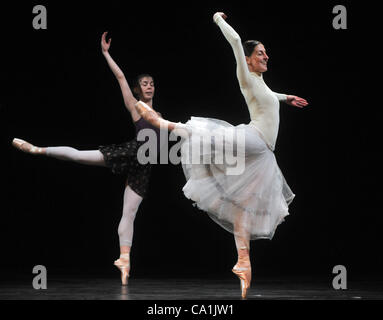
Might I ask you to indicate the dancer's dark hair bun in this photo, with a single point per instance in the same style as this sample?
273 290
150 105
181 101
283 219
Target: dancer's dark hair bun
249 46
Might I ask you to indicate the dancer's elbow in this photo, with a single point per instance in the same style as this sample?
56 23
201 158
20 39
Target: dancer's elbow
237 38
120 76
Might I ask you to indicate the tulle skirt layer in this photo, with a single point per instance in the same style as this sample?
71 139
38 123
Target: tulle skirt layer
234 177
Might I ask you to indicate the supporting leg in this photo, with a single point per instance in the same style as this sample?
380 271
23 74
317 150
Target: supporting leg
132 202
242 241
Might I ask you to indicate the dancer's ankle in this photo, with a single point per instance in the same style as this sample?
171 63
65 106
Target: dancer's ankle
243 255
43 151
124 258
125 252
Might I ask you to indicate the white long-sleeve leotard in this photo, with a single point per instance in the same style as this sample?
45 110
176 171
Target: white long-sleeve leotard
263 103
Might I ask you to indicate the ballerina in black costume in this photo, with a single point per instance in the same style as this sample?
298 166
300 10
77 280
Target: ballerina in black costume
120 158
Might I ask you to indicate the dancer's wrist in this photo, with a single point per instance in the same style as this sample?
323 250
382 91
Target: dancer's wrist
218 16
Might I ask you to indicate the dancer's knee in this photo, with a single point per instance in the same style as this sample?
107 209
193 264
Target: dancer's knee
130 210
75 154
63 153
93 157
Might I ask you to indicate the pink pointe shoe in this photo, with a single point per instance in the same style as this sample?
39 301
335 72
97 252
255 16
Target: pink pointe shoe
243 271
27 147
244 275
123 264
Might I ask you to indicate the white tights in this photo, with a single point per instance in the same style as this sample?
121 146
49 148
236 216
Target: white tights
132 200
93 157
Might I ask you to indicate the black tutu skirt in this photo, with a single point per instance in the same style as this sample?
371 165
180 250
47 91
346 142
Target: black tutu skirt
121 159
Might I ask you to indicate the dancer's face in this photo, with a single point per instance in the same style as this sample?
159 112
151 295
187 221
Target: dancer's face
257 62
146 88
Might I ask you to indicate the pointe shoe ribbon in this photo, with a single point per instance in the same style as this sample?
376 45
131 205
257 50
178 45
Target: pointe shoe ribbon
26 146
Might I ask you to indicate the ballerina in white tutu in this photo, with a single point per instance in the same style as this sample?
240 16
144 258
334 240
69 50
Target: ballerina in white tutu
252 203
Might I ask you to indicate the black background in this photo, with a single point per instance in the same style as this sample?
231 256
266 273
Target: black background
56 89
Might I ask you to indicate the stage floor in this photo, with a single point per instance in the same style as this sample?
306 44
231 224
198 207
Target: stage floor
98 288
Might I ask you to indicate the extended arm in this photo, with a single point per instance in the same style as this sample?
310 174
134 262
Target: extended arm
281 96
291 100
234 39
127 94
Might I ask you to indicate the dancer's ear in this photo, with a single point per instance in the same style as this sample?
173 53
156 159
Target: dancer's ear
247 60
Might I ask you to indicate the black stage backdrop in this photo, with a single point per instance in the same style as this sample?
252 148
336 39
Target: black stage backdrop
58 90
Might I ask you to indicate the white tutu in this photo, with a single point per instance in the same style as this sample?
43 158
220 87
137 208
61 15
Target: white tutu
256 200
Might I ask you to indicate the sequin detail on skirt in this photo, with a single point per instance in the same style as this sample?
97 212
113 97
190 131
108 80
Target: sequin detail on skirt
122 160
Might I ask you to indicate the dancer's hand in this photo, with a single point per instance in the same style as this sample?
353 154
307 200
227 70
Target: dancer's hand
105 45
296 101
224 16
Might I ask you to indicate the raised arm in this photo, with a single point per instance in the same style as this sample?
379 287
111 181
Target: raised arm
234 39
127 94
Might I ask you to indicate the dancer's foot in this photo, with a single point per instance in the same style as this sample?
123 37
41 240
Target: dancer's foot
243 271
27 147
123 264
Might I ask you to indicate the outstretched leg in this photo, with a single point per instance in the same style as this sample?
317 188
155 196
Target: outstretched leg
88 157
132 202
92 157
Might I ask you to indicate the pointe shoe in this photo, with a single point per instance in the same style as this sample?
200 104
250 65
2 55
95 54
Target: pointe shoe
123 264
244 275
243 271
27 147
